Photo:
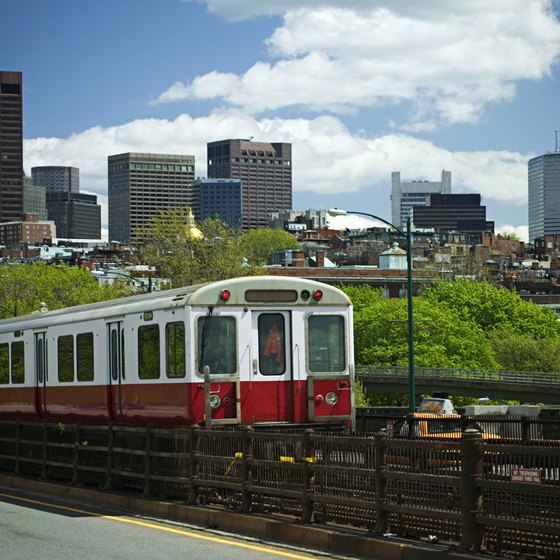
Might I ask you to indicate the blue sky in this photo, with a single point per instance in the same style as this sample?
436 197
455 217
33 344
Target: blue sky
360 87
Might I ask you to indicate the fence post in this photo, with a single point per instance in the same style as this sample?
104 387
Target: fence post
193 471
246 470
381 520
110 442
147 462
308 456
75 471
525 430
18 437
472 454
44 464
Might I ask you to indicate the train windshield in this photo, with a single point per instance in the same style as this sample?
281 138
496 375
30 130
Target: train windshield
217 344
326 340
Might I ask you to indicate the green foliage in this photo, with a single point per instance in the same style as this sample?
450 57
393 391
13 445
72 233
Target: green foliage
493 308
523 352
441 337
186 259
24 286
457 324
258 245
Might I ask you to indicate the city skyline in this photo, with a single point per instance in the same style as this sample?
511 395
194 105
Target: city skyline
360 89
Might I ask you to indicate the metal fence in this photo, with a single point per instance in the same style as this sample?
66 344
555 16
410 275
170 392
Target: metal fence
472 493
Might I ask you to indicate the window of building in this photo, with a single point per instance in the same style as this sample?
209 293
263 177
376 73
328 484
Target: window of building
148 352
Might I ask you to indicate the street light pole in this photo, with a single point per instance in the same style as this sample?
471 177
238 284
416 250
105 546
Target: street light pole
410 315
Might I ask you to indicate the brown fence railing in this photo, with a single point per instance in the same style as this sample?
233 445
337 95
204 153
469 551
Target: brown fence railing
470 492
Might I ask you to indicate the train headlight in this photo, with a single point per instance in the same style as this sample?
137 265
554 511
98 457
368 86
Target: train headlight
214 401
225 295
317 294
331 398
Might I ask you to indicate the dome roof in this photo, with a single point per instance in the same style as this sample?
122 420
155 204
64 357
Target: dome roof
192 231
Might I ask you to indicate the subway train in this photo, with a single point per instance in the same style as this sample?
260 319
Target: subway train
261 350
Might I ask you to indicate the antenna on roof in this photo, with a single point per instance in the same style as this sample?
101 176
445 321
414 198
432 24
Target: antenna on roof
556 134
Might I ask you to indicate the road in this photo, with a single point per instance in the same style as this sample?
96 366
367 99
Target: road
34 527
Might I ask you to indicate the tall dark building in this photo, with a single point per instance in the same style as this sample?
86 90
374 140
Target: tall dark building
57 178
453 212
141 186
265 171
76 215
218 198
11 146
544 195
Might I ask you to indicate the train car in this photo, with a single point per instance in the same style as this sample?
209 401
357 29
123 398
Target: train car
244 351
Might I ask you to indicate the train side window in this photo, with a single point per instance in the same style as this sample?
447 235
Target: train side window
114 355
175 349
18 362
122 355
148 352
272 353
84 356
217 344
325 339
66 358
4 363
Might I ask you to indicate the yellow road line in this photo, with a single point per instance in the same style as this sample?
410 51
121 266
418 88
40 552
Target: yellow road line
162 528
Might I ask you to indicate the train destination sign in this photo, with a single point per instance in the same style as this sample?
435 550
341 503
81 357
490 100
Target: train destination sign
526 476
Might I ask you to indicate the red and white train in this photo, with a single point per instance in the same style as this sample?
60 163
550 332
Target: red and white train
244 351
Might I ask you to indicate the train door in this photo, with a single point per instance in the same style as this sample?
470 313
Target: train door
272 387
115 354
217 360
41 373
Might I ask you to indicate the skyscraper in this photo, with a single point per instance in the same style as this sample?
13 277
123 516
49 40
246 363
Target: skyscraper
218 198
11 146
57 178
76 215
265 171
406 195
544 196
141 186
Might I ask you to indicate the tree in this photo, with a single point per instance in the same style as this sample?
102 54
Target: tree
187 255
523 352
24 286
493 308
441 337
258 245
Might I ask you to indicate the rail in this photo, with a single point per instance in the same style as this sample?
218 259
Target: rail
470 492
515 377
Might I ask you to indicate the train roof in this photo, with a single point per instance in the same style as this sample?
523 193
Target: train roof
197 295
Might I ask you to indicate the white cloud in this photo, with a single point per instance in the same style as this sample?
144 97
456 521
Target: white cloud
522 232
449 59
327 157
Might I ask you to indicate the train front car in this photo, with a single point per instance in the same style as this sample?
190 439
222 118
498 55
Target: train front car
272 351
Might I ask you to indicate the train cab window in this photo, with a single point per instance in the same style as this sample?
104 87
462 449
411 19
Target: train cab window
148 352
272 353
4 363
18 363
175 349
325 339
217 344
66 358
84 356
